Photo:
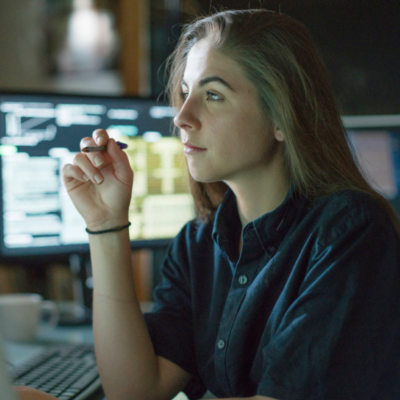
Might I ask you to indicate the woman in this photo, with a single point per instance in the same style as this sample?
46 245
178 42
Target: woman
286 284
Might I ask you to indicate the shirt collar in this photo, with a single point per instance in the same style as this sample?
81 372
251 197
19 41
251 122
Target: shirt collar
270 228
227 225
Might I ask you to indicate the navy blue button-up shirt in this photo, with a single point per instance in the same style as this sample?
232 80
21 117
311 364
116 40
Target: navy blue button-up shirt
309 309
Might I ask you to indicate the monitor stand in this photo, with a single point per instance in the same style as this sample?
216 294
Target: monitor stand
78 311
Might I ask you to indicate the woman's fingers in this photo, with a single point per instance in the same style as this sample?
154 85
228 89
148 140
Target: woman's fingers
97 158
82 170
71 172
113 155
120 161
100 136
92 164
83 163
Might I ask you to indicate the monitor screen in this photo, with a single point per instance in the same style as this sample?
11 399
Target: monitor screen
376 141
39 133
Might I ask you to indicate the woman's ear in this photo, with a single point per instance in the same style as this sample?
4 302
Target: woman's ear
279 136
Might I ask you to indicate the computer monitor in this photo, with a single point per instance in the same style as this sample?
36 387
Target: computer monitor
39 133
376 140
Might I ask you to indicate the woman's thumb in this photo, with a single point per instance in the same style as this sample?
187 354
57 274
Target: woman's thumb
119 159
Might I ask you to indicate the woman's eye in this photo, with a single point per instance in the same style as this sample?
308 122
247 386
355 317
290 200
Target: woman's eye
184 96
210 96
213 97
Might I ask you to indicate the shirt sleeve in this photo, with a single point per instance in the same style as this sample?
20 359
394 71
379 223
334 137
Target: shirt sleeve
170 323
337 337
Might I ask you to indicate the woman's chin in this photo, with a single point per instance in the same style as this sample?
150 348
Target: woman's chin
202 175
201 178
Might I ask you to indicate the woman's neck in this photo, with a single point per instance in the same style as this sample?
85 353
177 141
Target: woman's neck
260 193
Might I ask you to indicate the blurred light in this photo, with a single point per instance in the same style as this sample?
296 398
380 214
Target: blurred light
152 137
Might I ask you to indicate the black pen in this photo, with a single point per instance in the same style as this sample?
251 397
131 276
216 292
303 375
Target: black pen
92 149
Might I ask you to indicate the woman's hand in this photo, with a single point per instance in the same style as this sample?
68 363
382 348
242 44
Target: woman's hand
27 393
100 192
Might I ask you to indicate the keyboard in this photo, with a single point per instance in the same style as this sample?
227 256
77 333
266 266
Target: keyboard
68 372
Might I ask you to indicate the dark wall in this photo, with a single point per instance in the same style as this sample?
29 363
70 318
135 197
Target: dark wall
359 41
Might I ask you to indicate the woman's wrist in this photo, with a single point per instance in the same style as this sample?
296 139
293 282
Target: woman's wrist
111 223
110 230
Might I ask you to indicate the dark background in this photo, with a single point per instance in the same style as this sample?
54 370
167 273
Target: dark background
358 40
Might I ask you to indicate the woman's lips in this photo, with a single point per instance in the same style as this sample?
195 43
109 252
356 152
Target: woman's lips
191 148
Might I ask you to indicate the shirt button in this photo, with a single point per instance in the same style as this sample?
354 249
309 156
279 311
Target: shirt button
242 279
221 344
271 249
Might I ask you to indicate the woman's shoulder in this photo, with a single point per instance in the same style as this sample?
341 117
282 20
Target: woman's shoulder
351 210
351 204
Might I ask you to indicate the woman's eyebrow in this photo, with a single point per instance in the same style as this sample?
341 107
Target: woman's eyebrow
209 79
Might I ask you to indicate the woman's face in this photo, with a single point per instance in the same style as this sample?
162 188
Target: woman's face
226 137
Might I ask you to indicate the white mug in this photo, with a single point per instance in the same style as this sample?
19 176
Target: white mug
22 313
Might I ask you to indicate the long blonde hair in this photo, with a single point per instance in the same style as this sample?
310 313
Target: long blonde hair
278 56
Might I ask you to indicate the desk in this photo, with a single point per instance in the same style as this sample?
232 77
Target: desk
19 353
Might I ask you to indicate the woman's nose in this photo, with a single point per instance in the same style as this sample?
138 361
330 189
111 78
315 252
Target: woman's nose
187 117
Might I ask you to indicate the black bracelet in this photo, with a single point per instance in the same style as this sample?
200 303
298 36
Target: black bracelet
118 228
